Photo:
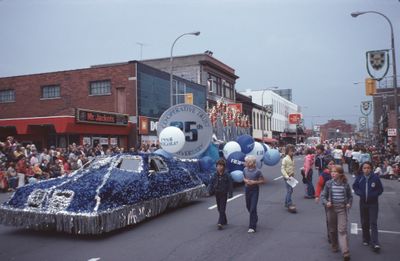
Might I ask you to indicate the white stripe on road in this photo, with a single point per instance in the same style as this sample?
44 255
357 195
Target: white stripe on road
232 198
355 229
94 259
280 177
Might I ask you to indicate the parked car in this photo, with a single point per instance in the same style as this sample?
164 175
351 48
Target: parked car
106 194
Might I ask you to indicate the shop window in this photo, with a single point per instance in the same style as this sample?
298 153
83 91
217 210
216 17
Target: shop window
49 92
100 88
7 96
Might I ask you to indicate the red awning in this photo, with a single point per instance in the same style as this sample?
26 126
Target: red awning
270 140
63 124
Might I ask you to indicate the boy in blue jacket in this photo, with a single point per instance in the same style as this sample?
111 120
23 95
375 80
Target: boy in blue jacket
221 185
369 187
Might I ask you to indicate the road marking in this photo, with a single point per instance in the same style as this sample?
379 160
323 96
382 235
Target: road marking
230 199
94 259
354 230
280 177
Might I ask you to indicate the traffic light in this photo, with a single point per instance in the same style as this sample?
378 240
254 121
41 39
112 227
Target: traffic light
370 86
189 98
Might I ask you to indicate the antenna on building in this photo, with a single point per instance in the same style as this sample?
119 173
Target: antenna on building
141 48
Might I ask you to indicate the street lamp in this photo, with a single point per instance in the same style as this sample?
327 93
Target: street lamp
170 63
262 105
396 106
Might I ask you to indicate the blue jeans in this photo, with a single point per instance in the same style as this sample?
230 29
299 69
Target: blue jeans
310 192
289 191
251 205
369 220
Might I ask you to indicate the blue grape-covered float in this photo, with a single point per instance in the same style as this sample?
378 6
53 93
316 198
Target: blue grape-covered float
107 194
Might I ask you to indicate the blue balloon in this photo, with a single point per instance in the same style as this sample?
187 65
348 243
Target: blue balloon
237 176
235 161
212 152
162 152
246 143
206 163
272 157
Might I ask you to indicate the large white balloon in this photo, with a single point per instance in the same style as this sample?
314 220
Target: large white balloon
258 151
172 139
231 147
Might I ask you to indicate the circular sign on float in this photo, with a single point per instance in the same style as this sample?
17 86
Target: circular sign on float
195 125
171 139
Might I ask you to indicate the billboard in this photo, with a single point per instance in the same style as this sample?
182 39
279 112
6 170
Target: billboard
294 118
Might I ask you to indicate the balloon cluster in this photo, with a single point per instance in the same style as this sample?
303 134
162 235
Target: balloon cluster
236 151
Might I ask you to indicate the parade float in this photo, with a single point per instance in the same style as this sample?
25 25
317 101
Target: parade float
116 191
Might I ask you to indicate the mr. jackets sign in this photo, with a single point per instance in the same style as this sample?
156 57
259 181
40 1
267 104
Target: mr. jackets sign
99 117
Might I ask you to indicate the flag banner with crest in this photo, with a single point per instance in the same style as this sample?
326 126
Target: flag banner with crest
377 63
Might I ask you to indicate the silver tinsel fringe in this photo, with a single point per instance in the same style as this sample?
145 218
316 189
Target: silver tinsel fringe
97 222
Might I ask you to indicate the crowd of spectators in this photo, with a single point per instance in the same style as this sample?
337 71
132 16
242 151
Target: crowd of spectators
25 164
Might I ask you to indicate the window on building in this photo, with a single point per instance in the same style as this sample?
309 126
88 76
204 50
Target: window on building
7 96
52 91
100 88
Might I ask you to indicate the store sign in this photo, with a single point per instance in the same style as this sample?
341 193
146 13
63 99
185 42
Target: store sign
97 117
87 141
392 132
237 106
294 118
113 141
148 126
195 124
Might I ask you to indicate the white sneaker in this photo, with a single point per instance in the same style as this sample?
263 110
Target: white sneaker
251 230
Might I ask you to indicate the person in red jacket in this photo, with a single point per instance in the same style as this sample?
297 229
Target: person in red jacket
322 179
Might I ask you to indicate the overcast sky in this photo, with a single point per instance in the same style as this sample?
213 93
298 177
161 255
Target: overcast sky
311 46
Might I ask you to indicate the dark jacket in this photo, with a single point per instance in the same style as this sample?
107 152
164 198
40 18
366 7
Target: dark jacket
370 192
320 162
221 184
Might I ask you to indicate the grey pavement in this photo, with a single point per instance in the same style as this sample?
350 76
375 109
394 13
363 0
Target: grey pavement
189 232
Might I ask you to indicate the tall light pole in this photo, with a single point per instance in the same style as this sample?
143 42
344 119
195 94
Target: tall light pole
197 33
262 105
396 106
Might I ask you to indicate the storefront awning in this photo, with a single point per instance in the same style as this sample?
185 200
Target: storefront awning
61 124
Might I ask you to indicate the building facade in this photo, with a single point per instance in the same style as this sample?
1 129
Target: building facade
275 126
97 105
205 70
336 129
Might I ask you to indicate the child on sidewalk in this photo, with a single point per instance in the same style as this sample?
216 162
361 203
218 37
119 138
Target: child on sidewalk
338 198
222 186
287 170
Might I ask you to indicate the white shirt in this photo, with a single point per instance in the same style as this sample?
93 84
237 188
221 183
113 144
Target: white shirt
356 155
337 153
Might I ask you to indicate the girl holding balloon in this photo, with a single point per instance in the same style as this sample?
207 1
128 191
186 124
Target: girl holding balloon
252 178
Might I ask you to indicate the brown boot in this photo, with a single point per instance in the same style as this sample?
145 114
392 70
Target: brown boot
346 257
335 248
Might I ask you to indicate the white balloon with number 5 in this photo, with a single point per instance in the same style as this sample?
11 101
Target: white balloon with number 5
172 139
231 147
258 151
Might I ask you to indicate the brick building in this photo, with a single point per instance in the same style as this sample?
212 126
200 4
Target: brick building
335 129
101 104
203 69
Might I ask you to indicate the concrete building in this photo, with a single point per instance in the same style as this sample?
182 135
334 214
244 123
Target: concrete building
203 69
277 126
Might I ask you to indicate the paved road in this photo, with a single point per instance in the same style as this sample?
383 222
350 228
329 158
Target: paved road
189 233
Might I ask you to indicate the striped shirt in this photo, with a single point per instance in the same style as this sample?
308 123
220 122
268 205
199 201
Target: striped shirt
338 193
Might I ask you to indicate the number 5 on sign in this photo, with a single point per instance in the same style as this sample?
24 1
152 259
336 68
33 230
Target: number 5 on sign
187 127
